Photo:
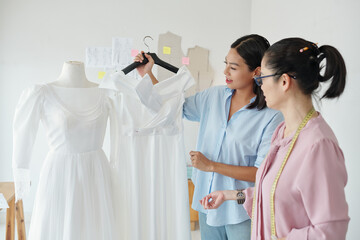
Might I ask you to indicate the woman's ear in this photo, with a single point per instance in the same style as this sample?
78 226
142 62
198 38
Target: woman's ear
286 82
257 71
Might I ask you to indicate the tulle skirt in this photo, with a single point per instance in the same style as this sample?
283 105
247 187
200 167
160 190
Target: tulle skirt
74 198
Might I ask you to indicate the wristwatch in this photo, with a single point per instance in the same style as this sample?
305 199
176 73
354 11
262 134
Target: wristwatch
240 196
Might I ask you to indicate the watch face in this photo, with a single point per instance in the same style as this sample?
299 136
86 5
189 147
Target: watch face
240 195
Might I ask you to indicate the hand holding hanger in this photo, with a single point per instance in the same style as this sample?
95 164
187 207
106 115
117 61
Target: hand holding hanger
146 63
144 69
156 59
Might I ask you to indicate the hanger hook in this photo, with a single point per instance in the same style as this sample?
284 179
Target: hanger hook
145 42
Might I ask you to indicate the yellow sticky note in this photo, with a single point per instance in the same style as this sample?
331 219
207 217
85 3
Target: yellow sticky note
101 75
167 50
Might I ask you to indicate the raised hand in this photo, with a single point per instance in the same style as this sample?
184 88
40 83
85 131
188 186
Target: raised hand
144 69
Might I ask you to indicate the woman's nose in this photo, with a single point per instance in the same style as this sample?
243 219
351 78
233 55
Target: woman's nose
226 71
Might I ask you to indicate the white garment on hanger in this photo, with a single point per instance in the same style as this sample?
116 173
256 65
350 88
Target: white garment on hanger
73 200
153 200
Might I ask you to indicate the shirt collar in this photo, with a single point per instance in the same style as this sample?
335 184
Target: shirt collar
230 91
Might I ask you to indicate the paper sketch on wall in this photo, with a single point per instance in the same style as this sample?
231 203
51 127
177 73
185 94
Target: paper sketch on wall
121 54
99 57
196 59
121 51
111 58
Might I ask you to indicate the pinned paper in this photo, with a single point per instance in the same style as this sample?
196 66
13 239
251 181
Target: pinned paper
173 42
101 75
98 57
167 50
3 202
134 52
121 51
185 61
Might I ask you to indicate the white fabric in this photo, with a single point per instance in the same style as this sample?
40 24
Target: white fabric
153 202
73 200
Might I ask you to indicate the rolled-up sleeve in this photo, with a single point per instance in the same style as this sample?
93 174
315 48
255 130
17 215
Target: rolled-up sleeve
265 142
194 106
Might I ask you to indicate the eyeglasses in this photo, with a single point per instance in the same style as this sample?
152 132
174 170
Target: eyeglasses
259 82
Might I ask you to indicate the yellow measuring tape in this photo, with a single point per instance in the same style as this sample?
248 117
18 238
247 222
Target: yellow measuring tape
272 194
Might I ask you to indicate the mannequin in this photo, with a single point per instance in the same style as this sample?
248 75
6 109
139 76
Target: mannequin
73 76
76 173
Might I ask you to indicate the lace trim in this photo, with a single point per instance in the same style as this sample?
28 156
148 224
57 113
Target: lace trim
22 183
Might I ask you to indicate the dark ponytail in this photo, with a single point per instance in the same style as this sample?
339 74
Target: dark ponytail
335 69
302 59
252 48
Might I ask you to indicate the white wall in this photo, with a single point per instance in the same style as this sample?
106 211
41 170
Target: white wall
36 37
335 23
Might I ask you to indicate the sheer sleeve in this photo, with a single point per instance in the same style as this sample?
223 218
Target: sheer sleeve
142 88
154 96
25 126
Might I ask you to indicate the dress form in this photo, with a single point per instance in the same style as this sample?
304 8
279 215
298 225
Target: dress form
73 76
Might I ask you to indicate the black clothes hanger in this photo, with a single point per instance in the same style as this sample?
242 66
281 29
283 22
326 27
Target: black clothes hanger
157 61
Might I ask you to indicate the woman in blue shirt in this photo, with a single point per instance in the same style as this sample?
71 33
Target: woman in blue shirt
234 137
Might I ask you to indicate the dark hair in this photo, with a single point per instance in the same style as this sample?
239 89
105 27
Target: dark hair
252 48
302 59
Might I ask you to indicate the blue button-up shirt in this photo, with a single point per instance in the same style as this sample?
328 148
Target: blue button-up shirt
242 141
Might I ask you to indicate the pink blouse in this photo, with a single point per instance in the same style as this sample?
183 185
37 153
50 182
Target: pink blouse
309 199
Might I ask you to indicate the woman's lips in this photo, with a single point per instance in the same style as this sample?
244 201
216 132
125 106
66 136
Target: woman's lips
228 80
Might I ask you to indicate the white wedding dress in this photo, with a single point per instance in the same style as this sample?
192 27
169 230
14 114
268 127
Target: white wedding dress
73 199
151 185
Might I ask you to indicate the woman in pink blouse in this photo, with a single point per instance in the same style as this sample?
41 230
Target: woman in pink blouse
299 190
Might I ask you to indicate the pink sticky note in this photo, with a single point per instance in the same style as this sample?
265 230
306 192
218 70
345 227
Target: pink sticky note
134 52
185 61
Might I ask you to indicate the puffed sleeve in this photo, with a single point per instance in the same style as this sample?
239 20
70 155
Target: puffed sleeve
25 126
266 137
322 179
114 127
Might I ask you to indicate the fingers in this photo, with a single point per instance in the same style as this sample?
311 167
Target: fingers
149 57
202 202
193 161
139 57
193 153
207 202
192 156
